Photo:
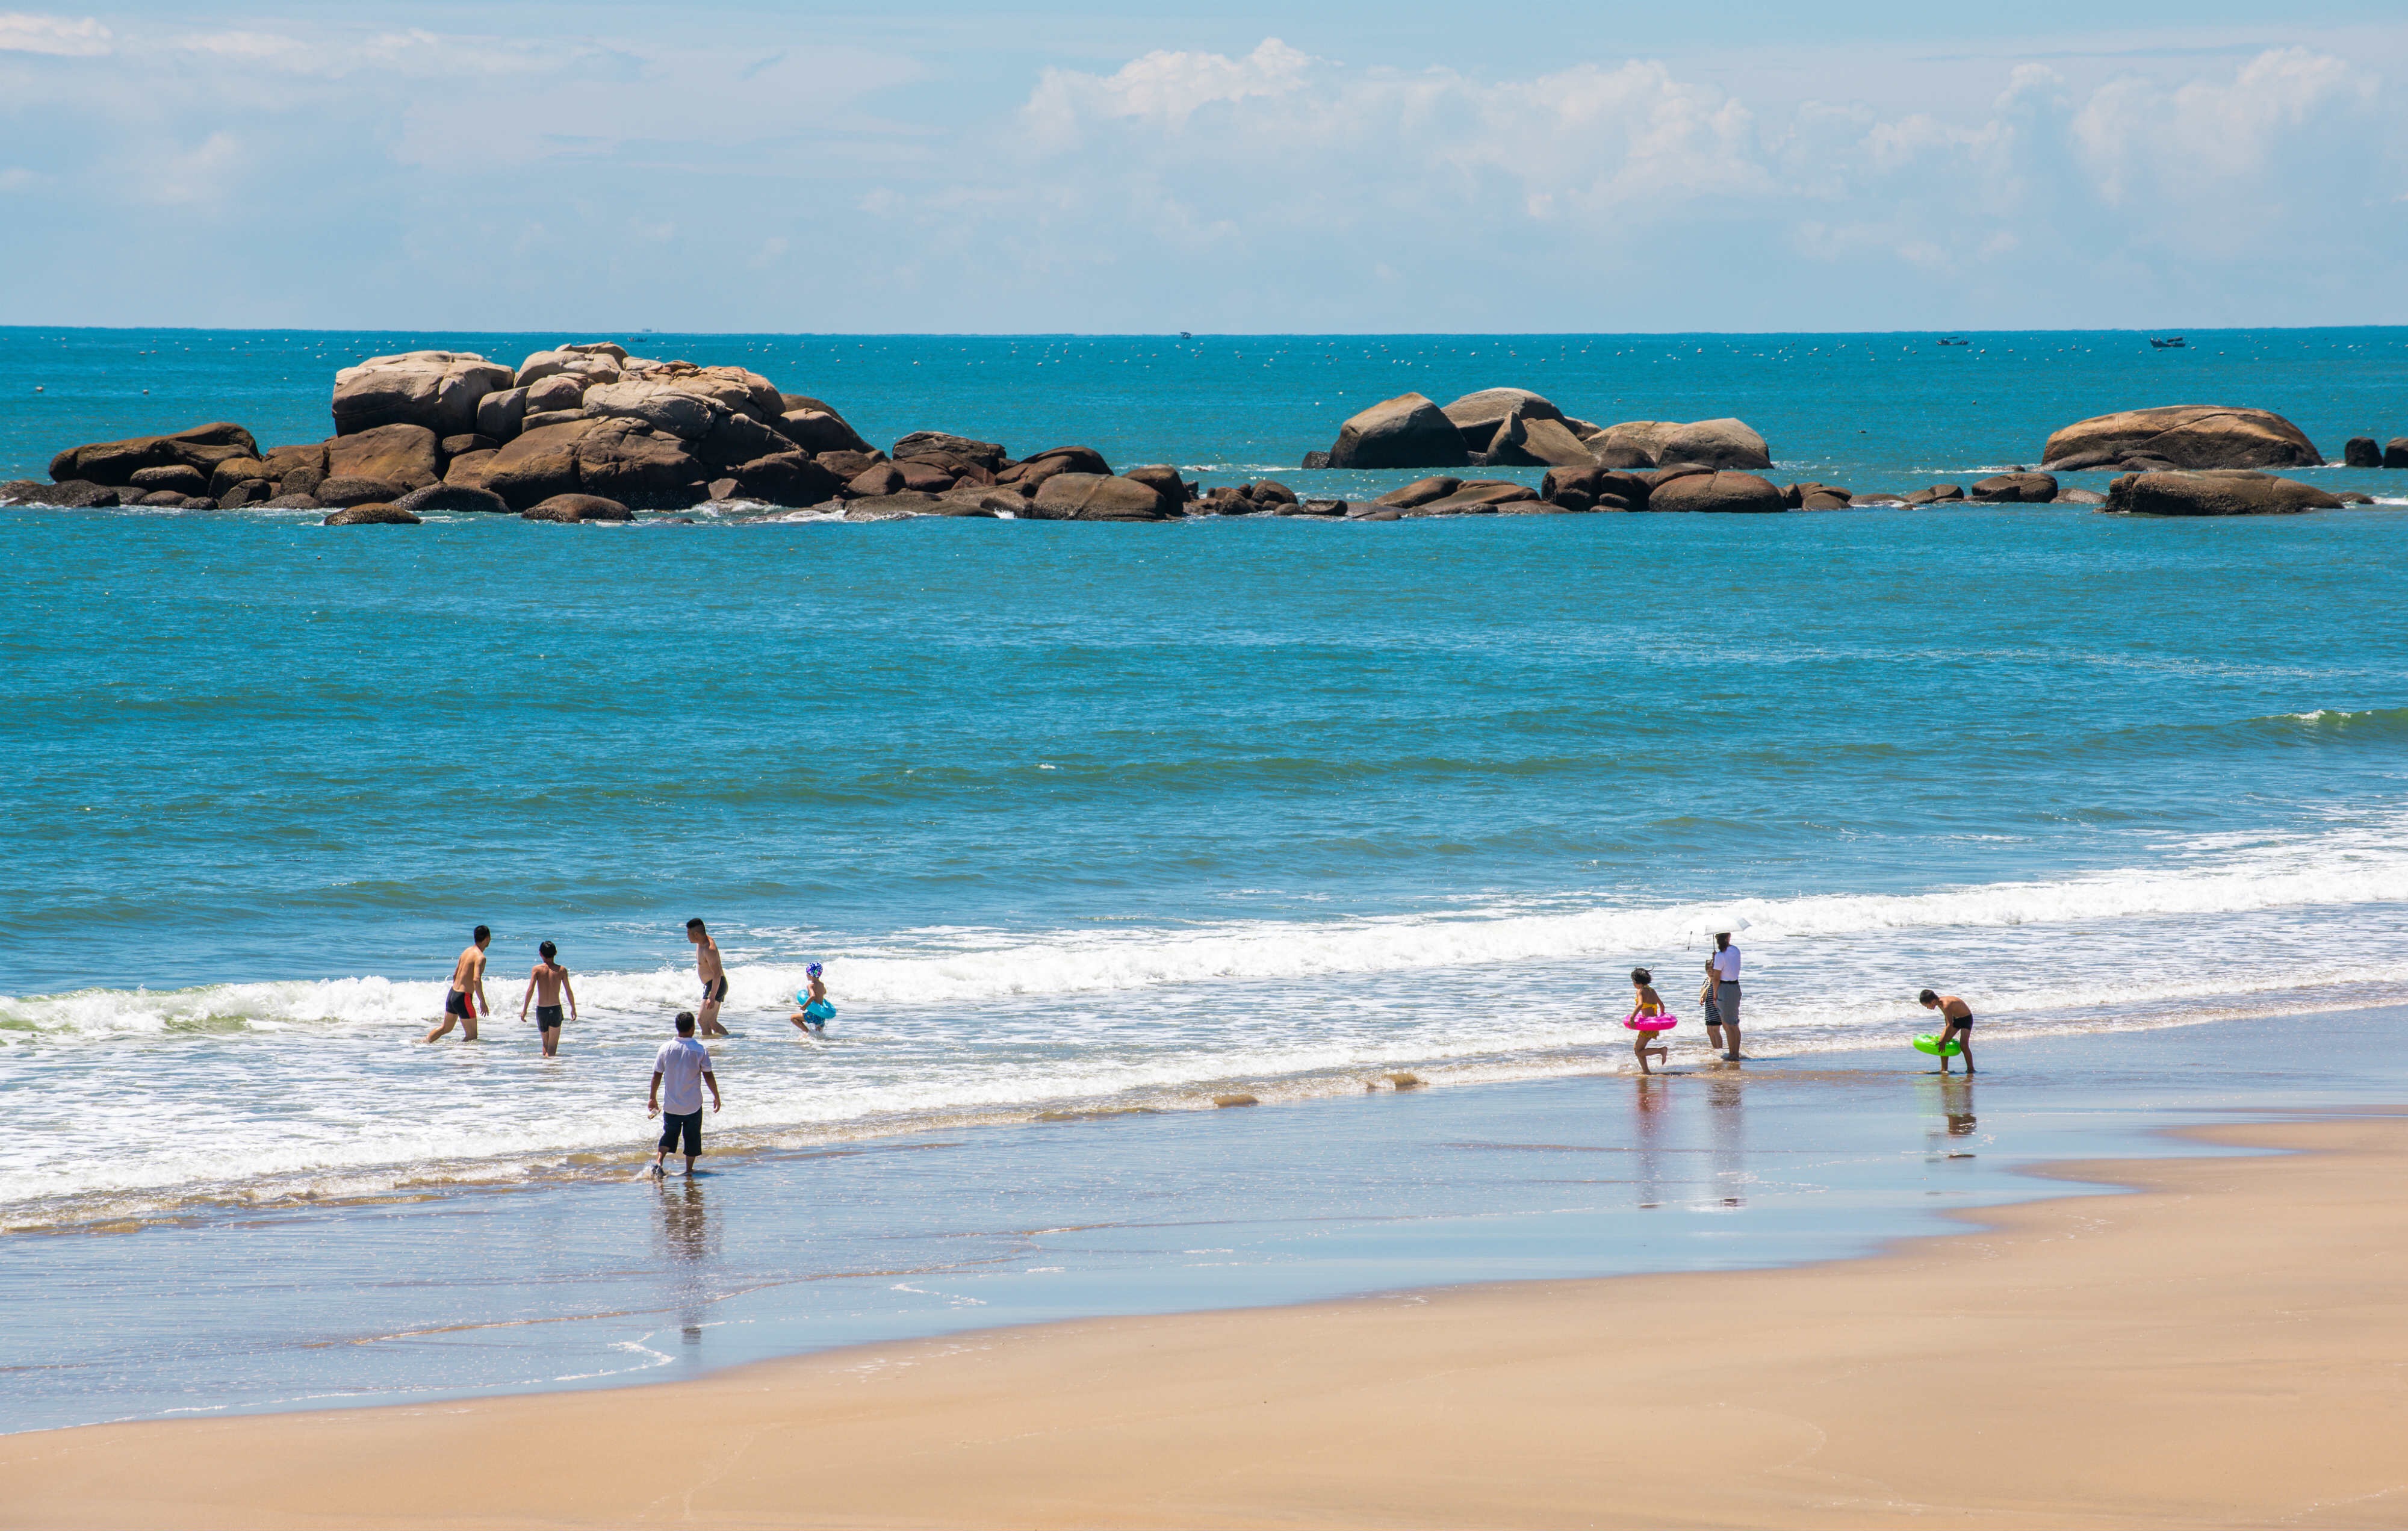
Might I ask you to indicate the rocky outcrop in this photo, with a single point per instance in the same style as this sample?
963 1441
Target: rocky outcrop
1097 496
348 491
1935 495
1477 416
1726 443
375 514
1811 495
1594 487
1421 492
2182 436
1473 497
403 454
1719 491
178 479
201 448
1407 431
70 495
1522 440
572 508
624 461
453 497
436 390
2016 488
2361 451
1164 480
538 465
2213 493
2395 453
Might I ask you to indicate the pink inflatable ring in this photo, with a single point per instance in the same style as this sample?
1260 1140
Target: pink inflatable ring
1651 1023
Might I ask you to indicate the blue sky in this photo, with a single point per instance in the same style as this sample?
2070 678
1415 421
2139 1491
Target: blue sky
736 164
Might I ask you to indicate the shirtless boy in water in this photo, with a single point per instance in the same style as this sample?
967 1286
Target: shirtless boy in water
714 979
544 985
1959 1017
467 998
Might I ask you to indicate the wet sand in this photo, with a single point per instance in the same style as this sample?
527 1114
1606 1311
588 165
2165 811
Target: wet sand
2220 1350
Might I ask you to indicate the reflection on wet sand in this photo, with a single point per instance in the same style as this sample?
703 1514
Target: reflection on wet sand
690 1243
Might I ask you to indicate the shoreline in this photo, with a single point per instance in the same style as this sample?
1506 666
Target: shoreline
562 1164
2060 1362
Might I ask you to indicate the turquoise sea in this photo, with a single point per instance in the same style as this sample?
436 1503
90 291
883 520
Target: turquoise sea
1089 819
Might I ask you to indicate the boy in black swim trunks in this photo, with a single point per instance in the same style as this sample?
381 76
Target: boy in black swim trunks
544 985
713 974
465 996
1959 1018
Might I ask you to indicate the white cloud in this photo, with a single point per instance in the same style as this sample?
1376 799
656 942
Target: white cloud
1164 89
2217 137
21 32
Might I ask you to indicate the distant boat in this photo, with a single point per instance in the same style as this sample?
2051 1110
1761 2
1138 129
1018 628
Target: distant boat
2172 342
1184 336
1955 340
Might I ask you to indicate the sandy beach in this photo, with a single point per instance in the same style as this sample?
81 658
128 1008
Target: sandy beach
2220 1349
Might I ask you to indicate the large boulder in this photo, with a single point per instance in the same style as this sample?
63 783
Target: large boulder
561 390
2187 436
734 388
1097 497
819 430
1632 443
455 497
1033 471
1477 416
1722 492
468 468
1164 479
1421 492
116 463
1407 431
1474 498
788 478
285 462
407 456
438 390
1594 487
2213 493
989 455
372 515
180 478
665 407
591 362
572 508
1725 443
237 470
2016 488
740 438
1520 441
627 462
538 465
345 492
2361 451
500 414
67 495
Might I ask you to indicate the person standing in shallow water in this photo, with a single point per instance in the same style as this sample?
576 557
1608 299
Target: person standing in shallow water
713 974
466 998
1722 970
683 1064
545 987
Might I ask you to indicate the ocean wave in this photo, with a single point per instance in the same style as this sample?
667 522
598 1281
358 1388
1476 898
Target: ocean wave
2360 865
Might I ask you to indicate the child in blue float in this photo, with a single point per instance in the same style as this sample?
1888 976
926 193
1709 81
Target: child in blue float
817 1012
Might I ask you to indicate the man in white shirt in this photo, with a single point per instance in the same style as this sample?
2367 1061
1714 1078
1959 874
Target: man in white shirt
1725 966
684 1065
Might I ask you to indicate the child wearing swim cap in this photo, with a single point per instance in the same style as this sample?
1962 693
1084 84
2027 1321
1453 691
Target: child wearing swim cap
813 1017
1649 1006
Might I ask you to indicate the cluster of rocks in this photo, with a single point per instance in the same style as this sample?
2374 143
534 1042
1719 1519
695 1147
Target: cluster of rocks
1513 427
2363 451
588 433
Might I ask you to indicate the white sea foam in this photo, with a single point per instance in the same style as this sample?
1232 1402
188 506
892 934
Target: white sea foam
134 1099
